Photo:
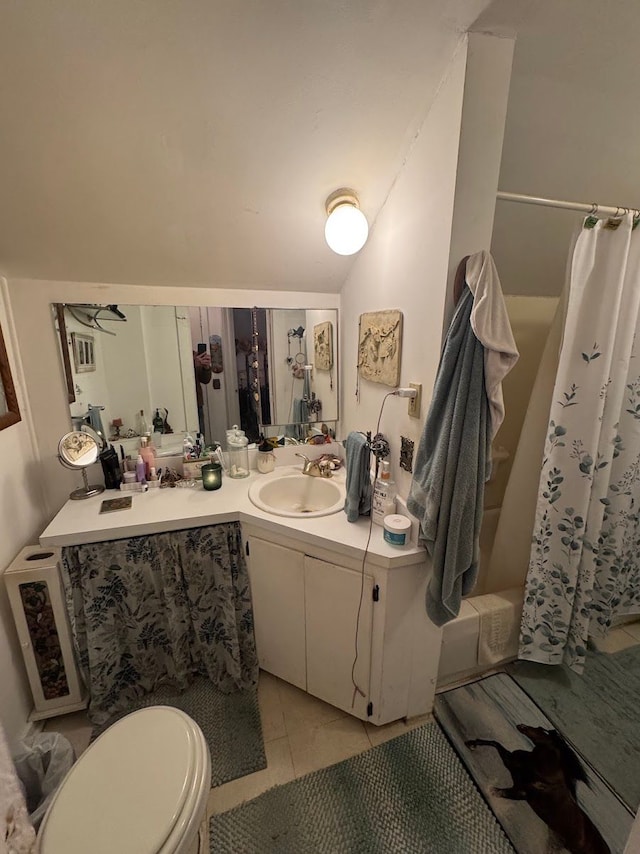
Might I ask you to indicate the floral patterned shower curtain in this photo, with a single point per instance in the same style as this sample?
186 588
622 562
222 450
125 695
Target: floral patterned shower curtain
584 566
155 610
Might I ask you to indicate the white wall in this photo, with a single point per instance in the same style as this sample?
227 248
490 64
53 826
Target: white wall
126 371
419 234
404 266
284 386
571 133
30 301
90 386
484 110
162 357
21 520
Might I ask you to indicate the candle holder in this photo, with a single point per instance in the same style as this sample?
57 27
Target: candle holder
211 476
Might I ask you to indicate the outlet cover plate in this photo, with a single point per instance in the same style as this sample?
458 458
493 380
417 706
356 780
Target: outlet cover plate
414 402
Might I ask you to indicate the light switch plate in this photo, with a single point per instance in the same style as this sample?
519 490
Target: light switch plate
414 402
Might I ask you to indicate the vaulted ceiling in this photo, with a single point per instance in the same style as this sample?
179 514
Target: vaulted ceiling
194 142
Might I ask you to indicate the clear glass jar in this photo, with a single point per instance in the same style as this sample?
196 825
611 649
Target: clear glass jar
238 453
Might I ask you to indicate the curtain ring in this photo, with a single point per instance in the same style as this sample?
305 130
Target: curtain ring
594 209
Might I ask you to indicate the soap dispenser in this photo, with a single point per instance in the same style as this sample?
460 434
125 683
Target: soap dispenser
384 494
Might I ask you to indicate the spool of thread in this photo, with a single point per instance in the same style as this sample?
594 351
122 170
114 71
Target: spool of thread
397 530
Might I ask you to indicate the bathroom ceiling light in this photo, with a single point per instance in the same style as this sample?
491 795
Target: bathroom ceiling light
346 229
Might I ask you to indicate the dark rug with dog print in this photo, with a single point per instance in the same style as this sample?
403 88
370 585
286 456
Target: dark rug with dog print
597 711
542 790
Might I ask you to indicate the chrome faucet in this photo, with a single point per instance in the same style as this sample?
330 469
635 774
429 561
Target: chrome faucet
315 468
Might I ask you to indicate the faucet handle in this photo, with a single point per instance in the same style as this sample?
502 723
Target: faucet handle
304 457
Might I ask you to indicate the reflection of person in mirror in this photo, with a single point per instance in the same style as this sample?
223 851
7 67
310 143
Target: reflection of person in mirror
202 370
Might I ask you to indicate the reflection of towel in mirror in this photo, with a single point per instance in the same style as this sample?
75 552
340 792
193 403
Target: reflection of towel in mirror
452 464
298 410
358 500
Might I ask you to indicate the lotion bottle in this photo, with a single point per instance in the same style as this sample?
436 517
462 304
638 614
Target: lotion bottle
148 455
384 494
141 473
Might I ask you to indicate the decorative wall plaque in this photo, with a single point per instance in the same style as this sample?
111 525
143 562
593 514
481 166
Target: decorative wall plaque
323 346
380 346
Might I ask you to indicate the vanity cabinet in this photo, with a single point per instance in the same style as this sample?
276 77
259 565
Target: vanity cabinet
305 605
332 595
277 594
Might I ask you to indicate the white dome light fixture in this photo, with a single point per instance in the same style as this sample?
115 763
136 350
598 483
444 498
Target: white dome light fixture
346 229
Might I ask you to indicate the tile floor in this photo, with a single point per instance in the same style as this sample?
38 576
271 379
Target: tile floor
301 734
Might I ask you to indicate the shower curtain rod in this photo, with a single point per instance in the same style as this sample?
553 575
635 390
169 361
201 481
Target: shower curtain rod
584 207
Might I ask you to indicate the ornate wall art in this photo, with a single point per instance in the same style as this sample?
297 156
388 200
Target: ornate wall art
380 346
323 346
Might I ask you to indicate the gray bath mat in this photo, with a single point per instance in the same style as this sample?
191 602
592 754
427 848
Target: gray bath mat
409 795
230 723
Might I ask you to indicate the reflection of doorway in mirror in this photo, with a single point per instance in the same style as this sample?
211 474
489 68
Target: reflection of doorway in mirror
84 358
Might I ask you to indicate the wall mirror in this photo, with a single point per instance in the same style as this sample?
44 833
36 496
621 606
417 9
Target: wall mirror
9 411
132 368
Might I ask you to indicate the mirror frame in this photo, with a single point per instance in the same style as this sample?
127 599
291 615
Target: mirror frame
12 415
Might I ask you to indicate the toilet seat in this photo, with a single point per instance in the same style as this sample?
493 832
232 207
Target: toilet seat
140 788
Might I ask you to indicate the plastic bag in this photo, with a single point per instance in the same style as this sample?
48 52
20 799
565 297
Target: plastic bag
42 762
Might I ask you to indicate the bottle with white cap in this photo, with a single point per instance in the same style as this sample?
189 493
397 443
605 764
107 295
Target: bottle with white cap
384 494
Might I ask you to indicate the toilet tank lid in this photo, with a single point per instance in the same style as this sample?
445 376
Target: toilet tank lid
129 789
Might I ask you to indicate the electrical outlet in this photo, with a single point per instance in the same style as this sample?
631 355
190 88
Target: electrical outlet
414 402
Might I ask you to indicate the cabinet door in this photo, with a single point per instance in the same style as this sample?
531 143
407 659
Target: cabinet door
277 591
332 595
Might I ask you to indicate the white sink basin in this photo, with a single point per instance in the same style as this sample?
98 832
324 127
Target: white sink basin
298 495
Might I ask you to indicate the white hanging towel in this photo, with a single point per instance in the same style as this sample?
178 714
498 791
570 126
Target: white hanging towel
491 326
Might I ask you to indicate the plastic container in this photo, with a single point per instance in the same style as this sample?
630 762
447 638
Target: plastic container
42 761
147 453
129 477
384 495
141 470
265 461
237 447
397 530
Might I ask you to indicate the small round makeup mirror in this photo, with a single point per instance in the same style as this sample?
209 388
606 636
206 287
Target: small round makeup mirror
77 450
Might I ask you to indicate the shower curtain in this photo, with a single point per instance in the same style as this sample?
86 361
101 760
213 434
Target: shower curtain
584 566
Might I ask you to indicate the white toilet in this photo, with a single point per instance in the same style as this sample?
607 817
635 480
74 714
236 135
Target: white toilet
140 788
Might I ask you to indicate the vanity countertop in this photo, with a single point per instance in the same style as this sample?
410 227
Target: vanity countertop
160 510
